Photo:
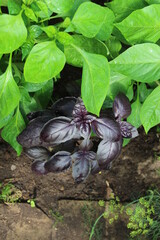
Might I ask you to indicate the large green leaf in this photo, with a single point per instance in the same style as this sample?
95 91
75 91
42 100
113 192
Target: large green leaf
12 130
9 93
122 8
44 62
95 80
43 96
73 56
75 6
150 111
140 62
60 6
13 33
142 25
5 120
14 6
118 83
92 20
134 118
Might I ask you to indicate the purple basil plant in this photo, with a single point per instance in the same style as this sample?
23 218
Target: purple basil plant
67 135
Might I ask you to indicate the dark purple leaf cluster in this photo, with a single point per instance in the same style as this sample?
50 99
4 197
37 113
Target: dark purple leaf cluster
67 135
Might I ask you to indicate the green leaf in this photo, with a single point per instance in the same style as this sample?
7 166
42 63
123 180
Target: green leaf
44 11
5 120
114 46
43 96
150 111
12 130
9 93
144 92
118 83
44 62
27 103
75 6
153 1
92 20
13 33
134 118
142 25
30 13
14 6
95 81
60 6
50 31
33 87
123 8
73 56
140 62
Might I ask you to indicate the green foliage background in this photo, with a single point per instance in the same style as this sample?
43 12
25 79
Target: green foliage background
116 45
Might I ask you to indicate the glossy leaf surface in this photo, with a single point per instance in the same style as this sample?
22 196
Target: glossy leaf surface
106 128
9 93
121 106
123 8
60 6
30 137
82 165
59 162
37 153
58 130
95 81
140 62
74 58
90 26
142 25
13 33
107 152
44 62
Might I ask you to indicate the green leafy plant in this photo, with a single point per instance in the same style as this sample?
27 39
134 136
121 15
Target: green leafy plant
32 202
118 51
9 193
57 216
89 215
143 215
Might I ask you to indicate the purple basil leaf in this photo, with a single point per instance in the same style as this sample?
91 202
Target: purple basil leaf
95 168
38 167
64 106
30 136
82 119
121 106
59 162
79 109
86 144
127 130
58 130
45 113
37 153
106 128
108 151
82 165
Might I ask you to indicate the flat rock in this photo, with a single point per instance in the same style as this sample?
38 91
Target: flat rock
20 221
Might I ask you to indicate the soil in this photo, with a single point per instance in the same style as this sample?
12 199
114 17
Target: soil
132 174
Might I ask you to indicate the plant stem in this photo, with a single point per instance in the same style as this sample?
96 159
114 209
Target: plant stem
92 232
